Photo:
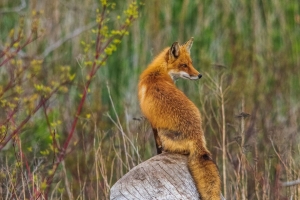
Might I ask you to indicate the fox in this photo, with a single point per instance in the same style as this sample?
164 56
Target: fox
175 119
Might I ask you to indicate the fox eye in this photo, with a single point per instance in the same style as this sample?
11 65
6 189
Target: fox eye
184 65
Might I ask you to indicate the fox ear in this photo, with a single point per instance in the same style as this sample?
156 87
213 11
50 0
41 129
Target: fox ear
188 45
174 50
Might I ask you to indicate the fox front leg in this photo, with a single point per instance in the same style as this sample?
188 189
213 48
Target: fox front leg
157 141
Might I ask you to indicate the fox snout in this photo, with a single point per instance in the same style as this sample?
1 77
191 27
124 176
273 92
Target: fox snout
193 77
185 75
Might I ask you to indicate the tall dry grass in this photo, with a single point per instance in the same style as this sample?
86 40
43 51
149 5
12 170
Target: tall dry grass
248 52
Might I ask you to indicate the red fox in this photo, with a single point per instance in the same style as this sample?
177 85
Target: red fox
175 119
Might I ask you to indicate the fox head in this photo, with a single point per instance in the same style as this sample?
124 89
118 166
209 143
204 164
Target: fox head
179 62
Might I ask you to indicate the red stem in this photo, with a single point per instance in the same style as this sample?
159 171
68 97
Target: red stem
28 41
93 71
16 131
12 113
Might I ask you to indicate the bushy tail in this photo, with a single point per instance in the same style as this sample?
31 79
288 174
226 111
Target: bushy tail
206 175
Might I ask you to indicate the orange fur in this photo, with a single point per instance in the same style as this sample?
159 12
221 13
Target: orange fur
176 118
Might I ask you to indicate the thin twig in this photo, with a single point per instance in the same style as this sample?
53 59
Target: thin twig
223 139
70 195
16 131
126 137
13 54
14 9
120 127
286 168
290 183
61 41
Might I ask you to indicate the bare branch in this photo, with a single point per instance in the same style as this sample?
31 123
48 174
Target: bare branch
291 183
61 41
14 9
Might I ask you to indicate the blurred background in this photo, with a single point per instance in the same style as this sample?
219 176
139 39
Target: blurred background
247 51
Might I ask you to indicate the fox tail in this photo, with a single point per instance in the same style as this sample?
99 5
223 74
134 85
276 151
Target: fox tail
206 175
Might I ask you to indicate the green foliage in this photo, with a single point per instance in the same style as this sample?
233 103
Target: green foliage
34 92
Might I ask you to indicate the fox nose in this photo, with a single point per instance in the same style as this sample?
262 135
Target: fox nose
199 76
